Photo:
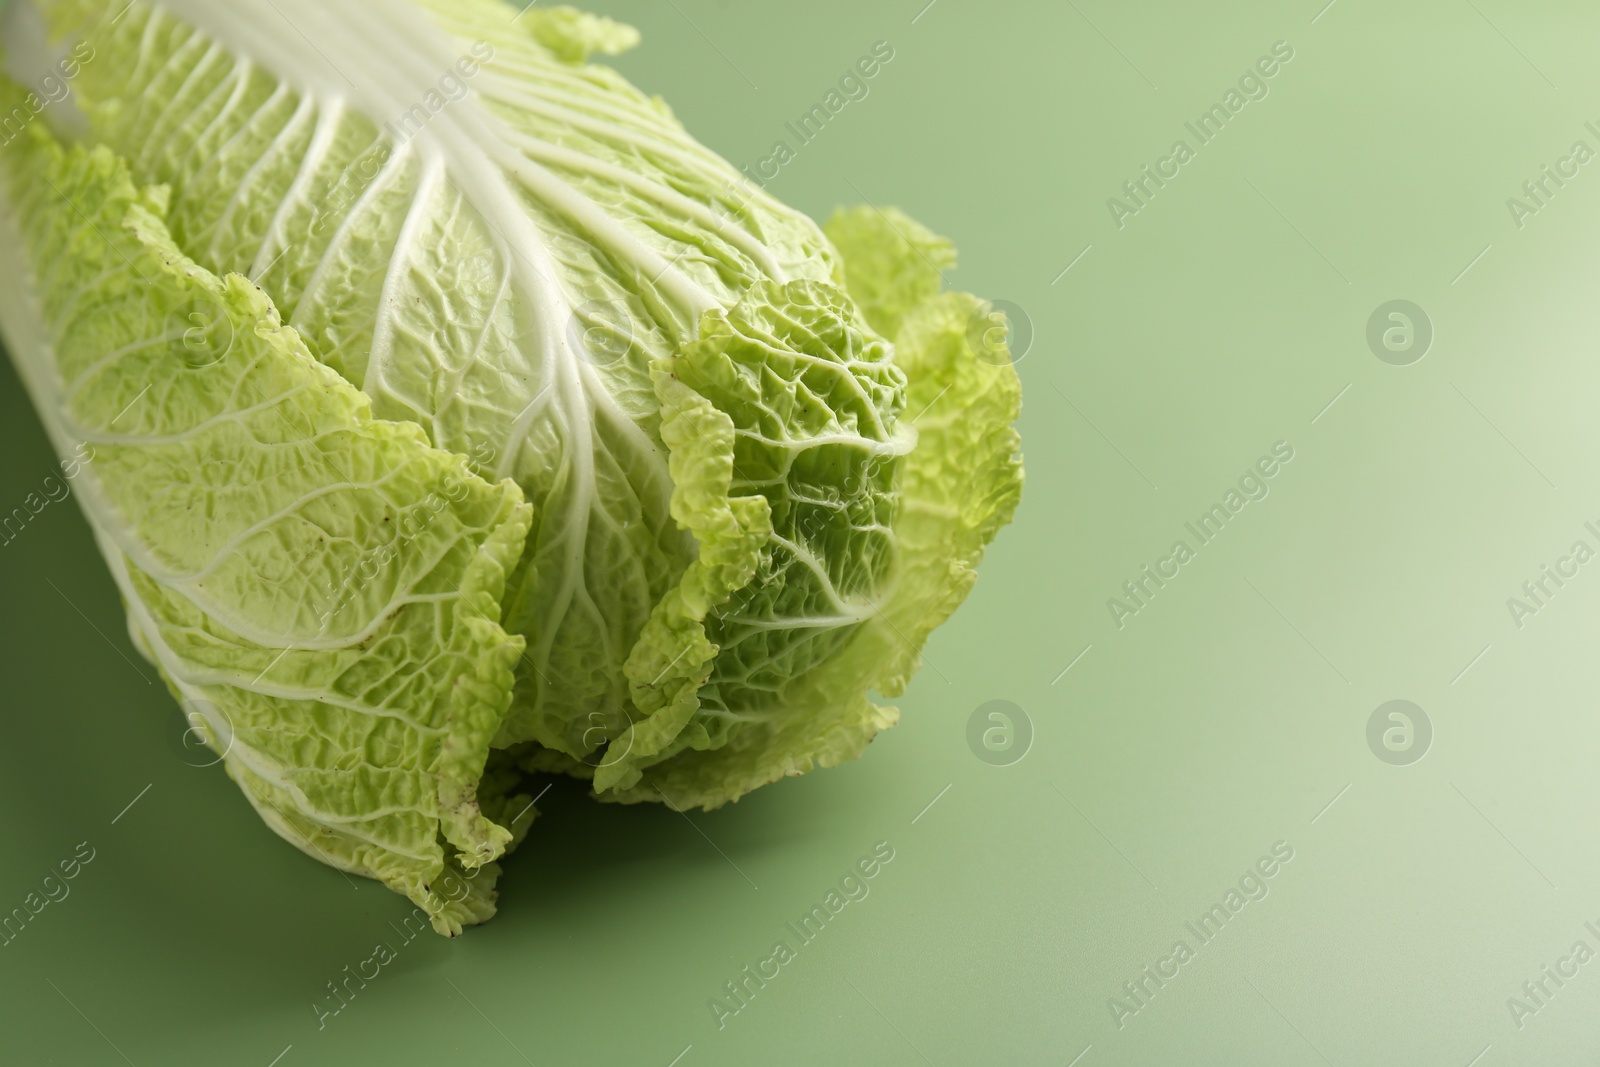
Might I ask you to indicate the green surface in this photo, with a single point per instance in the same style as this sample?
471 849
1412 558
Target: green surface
1224 717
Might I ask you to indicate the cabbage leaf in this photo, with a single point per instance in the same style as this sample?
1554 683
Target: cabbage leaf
457 417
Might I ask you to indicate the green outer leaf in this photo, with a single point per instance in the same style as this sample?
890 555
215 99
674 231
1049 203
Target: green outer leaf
780 402
487 238
956 489
674 656
574 35
961 485
892 263
321 587
395 252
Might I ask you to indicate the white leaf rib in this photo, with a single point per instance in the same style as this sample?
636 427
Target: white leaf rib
322 138
575 517
270 771
183 673
149 100
606 406
653 269
799 622
85 374
459 374
257 763
242 75
808 559
63 314
176 111
135 440
147 47
289 510
280 140
664 195
891 447
521 426
525 101
429 183
601 98
307 303
836 368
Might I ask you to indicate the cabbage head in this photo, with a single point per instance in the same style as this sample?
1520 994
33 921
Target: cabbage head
449 417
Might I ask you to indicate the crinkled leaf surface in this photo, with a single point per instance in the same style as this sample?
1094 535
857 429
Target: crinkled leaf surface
321 589
487 239
458 260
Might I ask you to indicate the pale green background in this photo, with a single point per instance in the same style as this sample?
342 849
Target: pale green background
1226 716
